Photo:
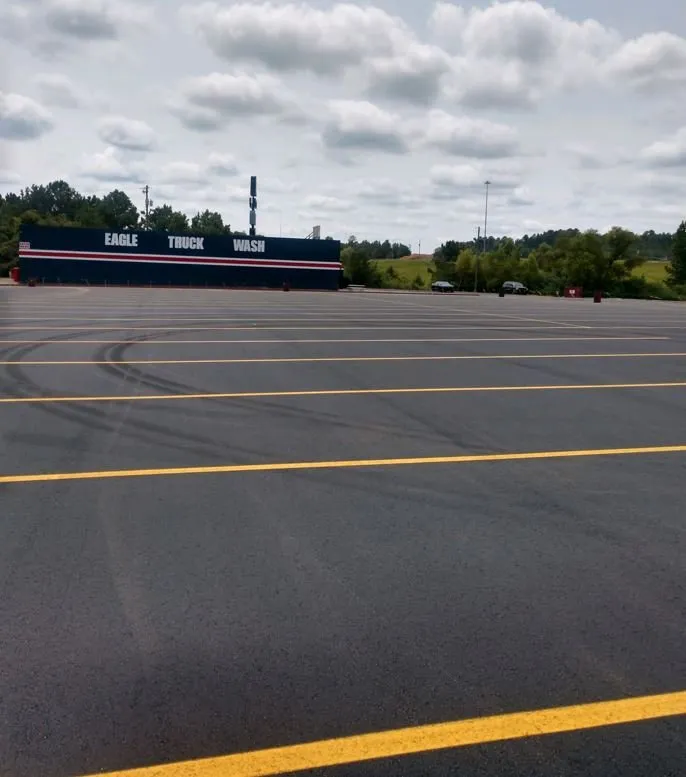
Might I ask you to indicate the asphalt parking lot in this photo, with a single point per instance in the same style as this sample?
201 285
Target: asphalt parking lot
238 521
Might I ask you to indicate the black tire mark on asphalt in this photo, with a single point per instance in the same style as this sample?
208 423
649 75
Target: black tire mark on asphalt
92 418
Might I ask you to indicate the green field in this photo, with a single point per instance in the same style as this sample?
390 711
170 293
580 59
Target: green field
654 272
407 269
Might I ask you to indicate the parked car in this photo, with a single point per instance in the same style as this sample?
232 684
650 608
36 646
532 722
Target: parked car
444 286
514 287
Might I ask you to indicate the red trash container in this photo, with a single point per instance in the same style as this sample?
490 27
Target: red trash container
14 274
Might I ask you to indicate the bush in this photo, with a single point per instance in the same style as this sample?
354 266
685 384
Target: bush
640 288
657 290
636 287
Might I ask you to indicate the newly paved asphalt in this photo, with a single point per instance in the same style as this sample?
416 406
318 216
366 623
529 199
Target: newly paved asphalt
148 620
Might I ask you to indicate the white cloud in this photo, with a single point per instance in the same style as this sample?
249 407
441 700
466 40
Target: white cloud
468 137
109 166
521 196
208 102
364 126
661 182
386 192
222 165
291 37
667 153
520 30
586 158
57 90
182 172
174 175
413 76
91 19
126 133
490 85
9 178
15 21
277 185
454 177
22 118
512 53
321 202
195 117
651 61
190 198
450 181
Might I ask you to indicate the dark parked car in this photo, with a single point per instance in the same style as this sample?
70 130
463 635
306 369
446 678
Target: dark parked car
444 286
514 287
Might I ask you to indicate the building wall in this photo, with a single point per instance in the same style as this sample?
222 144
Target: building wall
94 256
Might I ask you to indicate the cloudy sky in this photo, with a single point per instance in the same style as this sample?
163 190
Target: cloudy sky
379 120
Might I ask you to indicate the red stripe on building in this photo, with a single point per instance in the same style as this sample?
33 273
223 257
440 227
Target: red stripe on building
175 259
170 259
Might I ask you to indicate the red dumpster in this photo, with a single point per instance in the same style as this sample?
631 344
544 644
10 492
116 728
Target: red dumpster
14 274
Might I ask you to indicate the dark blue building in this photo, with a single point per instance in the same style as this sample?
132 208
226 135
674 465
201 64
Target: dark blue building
94 256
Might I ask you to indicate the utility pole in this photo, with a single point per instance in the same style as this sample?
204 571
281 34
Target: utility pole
486 184
420 248
148 205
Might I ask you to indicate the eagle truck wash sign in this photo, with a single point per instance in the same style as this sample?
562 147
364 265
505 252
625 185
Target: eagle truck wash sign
76 255
184 242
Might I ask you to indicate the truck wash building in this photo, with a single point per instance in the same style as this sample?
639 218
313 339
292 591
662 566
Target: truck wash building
140 258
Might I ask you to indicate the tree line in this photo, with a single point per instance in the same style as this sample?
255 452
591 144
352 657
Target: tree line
590 260
546 263
58 204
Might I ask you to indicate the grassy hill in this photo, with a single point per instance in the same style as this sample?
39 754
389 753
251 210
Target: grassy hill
655 272
409 268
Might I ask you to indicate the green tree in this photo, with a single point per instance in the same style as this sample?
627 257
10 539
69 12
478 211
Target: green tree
165 219
90 213
209 223
677 265
621 258
118 212
465 268
448 251
399 250
359 267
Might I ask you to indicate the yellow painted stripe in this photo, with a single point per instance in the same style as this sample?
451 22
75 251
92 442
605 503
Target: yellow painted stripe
334 393
292 466
412 327
331 340
422 739
300 360
271 328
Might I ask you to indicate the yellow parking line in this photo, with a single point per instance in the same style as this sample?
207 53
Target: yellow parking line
422 739
331 340
334 393
351 464
300 360
278 328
